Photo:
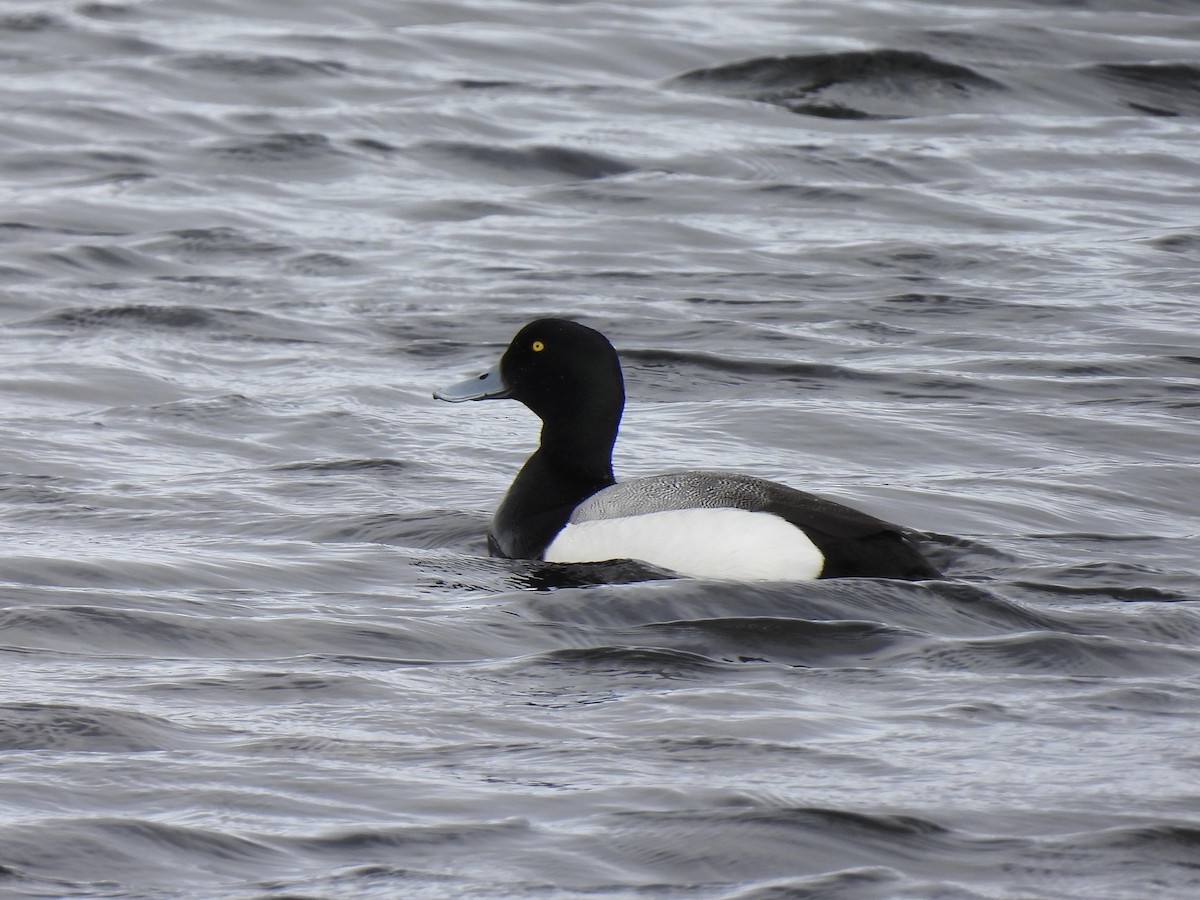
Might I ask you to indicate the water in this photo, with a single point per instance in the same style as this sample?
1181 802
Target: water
939 262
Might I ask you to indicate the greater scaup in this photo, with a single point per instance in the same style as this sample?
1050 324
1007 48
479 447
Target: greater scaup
565 505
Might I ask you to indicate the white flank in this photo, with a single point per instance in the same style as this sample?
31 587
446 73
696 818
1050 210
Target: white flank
703 543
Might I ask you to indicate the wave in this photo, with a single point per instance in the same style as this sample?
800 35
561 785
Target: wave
896 83
542 162
83 728
226 323
851 85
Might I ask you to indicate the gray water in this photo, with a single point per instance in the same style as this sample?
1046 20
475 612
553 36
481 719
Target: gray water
937 261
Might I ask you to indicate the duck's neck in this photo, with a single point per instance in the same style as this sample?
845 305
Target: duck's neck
572 463
581 450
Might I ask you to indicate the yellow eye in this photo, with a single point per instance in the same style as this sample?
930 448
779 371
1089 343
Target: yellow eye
538 346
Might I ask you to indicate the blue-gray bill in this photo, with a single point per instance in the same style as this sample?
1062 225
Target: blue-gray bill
488 386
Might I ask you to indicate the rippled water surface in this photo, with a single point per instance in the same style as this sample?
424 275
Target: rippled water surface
940 262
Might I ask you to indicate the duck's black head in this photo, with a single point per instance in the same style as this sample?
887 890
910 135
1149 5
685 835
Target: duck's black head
564 371
569 375
558 368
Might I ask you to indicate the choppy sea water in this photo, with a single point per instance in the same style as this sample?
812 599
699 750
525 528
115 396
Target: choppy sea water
940 262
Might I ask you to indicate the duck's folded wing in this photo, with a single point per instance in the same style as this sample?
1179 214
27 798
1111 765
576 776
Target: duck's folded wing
853 542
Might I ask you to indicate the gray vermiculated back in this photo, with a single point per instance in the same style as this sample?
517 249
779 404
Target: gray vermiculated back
715 490
672 491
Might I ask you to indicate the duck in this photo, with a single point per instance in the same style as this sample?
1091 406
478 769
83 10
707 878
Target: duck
566 506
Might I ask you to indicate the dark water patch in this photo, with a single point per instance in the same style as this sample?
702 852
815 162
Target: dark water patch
765 304
604 662
323 265
819 196
292 745
114 632
807 643
688 750
414 837
790 641
108 12
1158 89
806 373
94 165
384 466
415 340
937 607
493 855
209 411
136 317
1077 655
918 262
416 640
1126 582
372 145
381 481
947 304
852 85
659 372
217 243
707 847
858 882
115 178
1168 624
16 275
422 529
72 728
430 529
80 386
454 210
1149 8
1120 365
572 88
539 163
943 625
41 37
261 66
257 687
809 846
282 148
971 610
479 84
99 260
19 230
961 557
1176 843
1141 702
148 853
1138 593
1184 243
209 283
38 490
224 323
1162 854
30 22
